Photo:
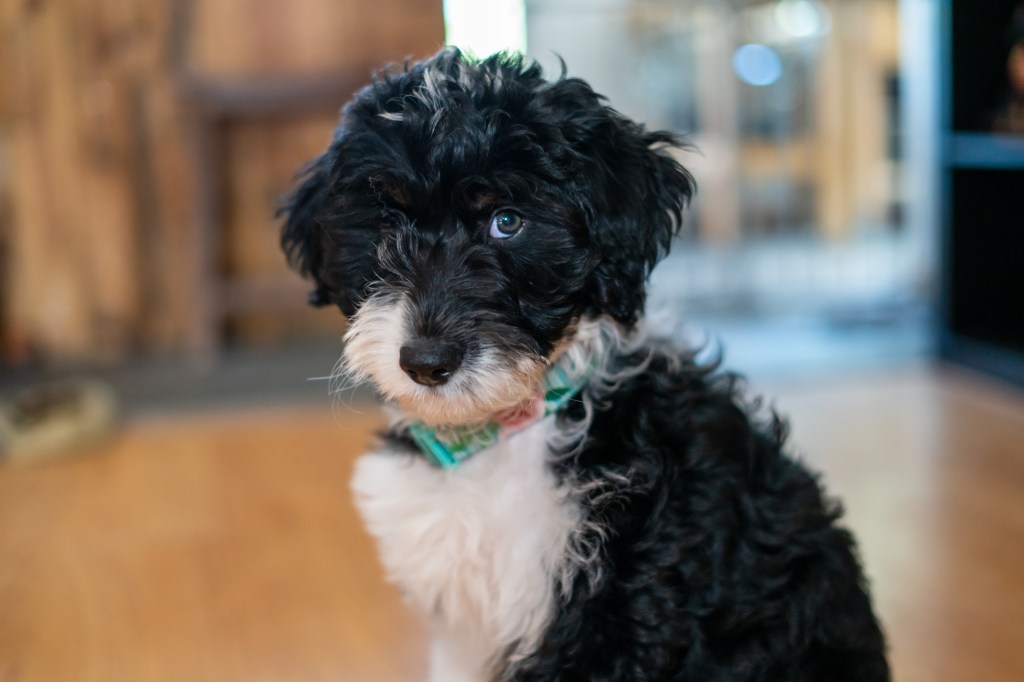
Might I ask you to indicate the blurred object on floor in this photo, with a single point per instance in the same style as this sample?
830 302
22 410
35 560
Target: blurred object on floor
55 419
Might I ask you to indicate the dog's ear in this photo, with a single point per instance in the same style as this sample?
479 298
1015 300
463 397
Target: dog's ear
629 188
302 234
641 210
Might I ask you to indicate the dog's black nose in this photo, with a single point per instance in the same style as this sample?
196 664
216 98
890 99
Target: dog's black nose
430 362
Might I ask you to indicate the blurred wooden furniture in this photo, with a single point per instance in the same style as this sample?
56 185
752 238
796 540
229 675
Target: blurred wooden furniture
90 118
225 547
299 63
151 142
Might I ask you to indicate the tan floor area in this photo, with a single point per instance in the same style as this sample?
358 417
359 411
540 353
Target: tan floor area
225 548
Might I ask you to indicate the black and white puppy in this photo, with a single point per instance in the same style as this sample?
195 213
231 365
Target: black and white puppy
563 499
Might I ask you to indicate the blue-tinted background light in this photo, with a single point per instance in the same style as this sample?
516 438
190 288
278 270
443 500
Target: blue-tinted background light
757 64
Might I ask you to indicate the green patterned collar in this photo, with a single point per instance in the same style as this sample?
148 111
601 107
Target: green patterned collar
451 446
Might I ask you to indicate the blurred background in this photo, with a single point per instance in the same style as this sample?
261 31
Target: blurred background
172 463
145 147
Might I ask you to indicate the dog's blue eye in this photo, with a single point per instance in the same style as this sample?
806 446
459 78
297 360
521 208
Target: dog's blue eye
505 224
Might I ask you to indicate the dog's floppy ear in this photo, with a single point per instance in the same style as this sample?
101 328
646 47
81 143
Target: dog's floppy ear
301 236
629 188
328 236
641 211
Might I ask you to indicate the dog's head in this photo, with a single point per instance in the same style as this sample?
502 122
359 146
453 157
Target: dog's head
467 215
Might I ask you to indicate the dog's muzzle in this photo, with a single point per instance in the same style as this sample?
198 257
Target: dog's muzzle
430 362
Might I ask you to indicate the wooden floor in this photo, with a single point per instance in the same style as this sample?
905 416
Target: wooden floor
225 548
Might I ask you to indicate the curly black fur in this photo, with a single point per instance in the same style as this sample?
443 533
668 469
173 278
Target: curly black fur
412 165
720 558
717 556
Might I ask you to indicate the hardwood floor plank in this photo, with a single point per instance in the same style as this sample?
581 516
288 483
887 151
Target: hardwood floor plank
224 550
931 469
225 547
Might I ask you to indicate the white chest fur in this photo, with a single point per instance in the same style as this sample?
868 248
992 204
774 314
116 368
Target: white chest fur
478 548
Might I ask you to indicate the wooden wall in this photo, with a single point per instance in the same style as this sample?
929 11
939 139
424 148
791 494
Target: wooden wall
99 193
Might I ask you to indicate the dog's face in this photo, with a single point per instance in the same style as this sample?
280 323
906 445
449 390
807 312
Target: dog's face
467 215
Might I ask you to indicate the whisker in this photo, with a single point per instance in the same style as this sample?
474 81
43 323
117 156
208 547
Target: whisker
343 380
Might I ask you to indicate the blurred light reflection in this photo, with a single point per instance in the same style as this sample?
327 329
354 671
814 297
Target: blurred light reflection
757 64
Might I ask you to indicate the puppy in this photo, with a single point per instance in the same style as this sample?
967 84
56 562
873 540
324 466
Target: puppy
561 498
